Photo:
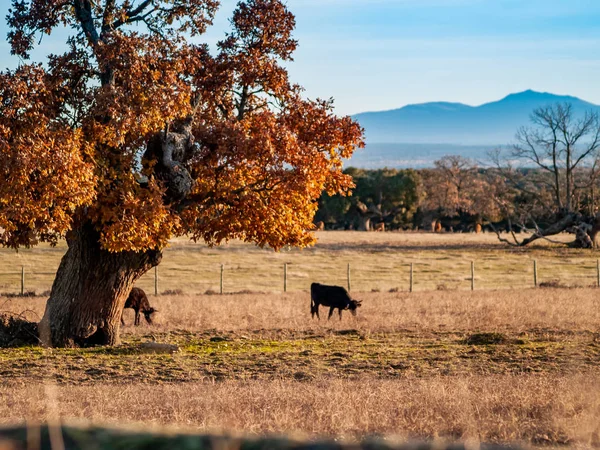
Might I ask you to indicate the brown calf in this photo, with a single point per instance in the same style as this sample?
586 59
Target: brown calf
138 301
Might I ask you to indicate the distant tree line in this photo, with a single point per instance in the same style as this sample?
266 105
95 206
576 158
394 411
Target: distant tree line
546 183
453 193
457 195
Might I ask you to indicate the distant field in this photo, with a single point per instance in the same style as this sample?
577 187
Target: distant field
415 156
505 363
378 261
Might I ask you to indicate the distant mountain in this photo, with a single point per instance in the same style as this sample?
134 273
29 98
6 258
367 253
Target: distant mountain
417 135
455 123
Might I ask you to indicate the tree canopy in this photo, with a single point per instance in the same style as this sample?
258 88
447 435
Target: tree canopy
147 136
383 195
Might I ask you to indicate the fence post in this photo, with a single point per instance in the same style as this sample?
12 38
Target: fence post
411 278
285 277
348 277
222 268
472 275
22 280
535 274
155 280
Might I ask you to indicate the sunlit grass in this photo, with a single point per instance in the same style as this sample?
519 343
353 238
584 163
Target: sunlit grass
256 362
378 261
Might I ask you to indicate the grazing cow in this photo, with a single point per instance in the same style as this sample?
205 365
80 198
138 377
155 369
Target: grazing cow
332 296
477 228
380 227
438 226
138 301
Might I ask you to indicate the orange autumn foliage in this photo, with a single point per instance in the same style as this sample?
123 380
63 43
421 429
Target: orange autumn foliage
147 136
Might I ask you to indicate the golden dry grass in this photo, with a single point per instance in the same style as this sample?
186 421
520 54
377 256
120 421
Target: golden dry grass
378 261
515 310
401 367
402 370
532 409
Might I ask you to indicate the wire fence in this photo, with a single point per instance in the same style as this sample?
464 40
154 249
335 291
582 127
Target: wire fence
289 277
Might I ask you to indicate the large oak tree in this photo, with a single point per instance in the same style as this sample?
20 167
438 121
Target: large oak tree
135 135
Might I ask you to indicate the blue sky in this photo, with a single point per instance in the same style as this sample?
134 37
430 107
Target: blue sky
383 54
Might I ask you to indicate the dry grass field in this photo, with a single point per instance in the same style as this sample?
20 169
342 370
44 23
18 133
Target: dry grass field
379 261
493 365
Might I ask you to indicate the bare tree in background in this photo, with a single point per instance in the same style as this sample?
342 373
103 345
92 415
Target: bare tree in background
563 149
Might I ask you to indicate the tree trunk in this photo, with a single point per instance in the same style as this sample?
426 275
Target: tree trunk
555 228
89 291
595 233
364 223
582 237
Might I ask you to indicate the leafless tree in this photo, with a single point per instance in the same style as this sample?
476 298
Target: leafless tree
563 148
457 186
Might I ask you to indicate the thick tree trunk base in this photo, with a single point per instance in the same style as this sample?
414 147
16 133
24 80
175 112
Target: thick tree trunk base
582 237
364 224
595 233
89 292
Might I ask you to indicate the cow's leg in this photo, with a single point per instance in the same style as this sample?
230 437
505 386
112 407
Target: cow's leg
340 311
137 317
317 310
330 313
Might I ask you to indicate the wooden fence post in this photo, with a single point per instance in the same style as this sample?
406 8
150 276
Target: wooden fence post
411 278
22 280
285 277
155 280
535 274
222 268
348 277
472 275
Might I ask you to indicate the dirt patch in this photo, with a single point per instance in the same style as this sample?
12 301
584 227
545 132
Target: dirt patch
486 339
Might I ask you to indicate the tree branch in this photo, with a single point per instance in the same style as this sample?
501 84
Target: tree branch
83 12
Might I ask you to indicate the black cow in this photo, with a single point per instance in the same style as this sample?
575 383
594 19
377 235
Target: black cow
138 301
332 296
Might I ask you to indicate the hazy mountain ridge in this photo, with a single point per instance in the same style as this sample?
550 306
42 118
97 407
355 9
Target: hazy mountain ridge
416 135
493 123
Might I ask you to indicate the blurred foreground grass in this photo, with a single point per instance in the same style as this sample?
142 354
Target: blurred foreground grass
77 438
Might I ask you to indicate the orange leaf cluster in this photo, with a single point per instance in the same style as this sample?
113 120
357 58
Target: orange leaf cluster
44 172
75 137
134 217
